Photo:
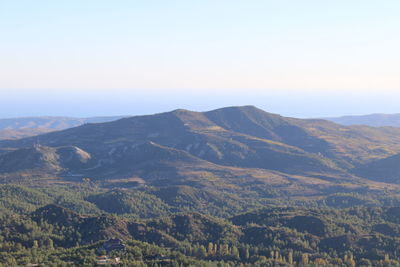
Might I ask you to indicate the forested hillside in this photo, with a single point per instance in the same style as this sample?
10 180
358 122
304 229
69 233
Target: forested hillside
68 225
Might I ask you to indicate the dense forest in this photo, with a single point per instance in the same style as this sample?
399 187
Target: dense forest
68 225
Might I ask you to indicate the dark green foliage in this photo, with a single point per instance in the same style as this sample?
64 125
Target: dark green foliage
265 237
130 202
21 199
217 203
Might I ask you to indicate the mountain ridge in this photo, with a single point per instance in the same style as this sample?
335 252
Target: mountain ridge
225 148
21 127
375 120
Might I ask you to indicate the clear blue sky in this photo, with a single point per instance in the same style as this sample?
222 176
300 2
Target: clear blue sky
299 58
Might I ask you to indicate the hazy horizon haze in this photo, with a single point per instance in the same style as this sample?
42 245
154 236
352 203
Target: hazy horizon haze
296 58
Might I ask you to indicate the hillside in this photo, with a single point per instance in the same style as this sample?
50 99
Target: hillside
387 169
22 133
268 236
71 222
130 202
235 149
43 159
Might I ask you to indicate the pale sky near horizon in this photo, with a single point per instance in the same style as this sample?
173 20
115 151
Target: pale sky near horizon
307 58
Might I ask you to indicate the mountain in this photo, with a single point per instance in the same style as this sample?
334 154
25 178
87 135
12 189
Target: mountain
233 186
16 128
376 120
235 149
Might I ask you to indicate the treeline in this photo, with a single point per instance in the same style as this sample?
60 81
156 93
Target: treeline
143 254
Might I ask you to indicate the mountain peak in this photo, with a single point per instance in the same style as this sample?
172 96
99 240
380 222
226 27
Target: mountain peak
240 108
181 110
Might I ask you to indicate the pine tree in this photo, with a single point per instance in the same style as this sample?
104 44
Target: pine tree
201 252
235 253
304 259
246 253
49 244
387 259
210 249
290 258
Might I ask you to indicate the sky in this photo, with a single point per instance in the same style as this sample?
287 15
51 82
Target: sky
307 58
